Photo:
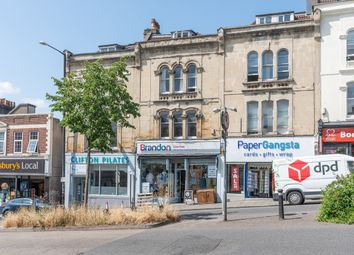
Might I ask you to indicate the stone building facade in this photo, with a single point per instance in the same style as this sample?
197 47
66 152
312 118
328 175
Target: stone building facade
179 79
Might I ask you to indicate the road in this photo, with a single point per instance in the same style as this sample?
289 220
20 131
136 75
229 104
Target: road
248 231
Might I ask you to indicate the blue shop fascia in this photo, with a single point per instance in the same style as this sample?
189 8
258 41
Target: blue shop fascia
111 177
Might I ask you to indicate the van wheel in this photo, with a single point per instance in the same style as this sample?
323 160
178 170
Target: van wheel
295 198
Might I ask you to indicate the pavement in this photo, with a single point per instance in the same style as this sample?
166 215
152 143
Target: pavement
232 203
250 230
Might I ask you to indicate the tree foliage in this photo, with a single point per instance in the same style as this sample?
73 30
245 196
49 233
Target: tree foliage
91 103
338 201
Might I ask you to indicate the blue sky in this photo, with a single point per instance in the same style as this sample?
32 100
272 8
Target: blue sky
26 67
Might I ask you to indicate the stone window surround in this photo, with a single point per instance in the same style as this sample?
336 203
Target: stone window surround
184 66
199 117
275 63
275 99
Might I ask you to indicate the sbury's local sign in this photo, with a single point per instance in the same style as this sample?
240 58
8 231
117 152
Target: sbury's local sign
267 149
193 147
22 166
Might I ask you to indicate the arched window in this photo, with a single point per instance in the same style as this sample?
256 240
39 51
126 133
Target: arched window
164 80
177 125
252 66
350 98
191 124
282 116
164 125
267 116
267 65
178 79
350 45
283 65
252 117
191 78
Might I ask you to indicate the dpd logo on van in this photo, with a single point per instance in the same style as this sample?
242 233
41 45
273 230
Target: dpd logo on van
299 170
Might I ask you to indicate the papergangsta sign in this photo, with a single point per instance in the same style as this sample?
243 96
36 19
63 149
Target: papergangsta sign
21 166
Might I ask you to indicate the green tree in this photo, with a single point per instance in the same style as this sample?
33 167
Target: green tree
92 102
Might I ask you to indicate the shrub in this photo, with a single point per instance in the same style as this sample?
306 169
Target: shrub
338 201
80 216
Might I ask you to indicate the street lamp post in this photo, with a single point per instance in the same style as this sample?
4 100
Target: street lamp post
64 75
224 120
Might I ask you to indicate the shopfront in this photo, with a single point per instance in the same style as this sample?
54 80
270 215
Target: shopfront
21 177
249 161
110 177
338 140
168 168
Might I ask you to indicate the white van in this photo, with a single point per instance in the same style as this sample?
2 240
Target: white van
305 177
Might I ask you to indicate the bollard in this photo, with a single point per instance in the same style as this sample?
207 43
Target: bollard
281 204
106 210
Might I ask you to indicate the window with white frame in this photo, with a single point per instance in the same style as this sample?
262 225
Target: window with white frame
191 124
252 117
177 125
33 142
2 142
267 117
252 66
164 125
283 116
178 79
164 80
18 142
191 78
350 98
283 65
267 65
108 180
350 45
268 19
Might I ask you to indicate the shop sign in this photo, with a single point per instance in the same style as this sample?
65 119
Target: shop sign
211 171
337 135
101 159
22 166
178 148
78 169
235 178
268 149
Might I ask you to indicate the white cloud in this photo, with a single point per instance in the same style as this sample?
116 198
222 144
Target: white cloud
40 103
7 88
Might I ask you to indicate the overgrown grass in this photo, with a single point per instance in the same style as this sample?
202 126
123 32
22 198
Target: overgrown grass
80 216
338 201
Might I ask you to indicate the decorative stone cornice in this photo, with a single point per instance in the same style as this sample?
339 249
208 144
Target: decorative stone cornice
268 85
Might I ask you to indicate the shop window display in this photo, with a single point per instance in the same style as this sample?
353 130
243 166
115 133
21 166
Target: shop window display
258 182
156 178
199 179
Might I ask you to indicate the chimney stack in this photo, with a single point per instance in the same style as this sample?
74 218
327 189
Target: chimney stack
155 29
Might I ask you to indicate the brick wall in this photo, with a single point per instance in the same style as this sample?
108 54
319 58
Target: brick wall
32 120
